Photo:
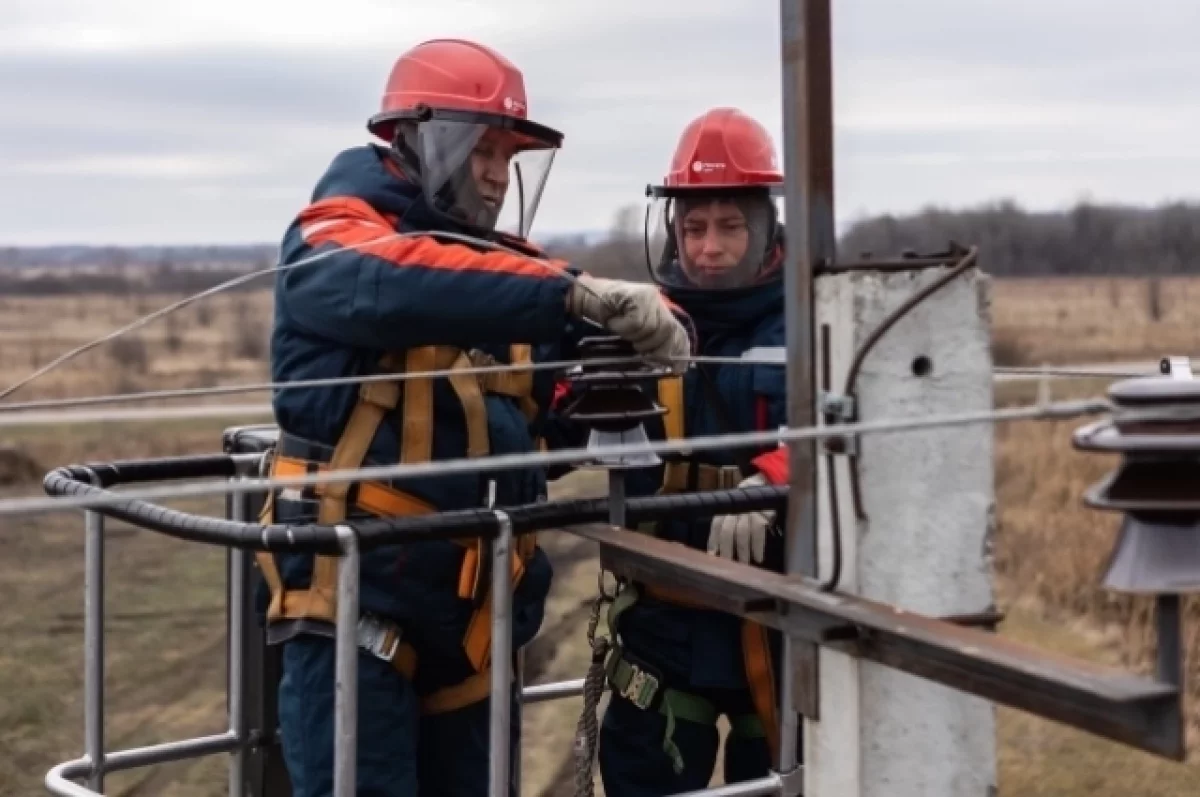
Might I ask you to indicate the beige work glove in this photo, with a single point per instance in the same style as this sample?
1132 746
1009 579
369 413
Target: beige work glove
634 312
742 537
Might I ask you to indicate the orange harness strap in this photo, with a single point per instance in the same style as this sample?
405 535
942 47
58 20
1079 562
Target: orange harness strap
376 399
756 651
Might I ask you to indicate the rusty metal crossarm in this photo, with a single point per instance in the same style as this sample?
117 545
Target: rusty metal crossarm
1136 711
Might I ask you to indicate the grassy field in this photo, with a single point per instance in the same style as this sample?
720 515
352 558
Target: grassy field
165 618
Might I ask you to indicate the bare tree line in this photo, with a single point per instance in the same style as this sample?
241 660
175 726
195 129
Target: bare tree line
1089 239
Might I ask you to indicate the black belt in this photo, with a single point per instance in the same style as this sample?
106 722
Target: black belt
297 447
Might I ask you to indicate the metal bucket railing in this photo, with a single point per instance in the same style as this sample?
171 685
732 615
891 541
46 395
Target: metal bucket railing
255 765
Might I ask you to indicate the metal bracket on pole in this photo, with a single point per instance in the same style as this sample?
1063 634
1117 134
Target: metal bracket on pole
839 408
1140 712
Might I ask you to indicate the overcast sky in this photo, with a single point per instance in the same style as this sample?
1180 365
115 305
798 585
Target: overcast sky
140 121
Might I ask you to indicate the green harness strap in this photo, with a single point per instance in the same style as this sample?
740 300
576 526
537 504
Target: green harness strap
641 687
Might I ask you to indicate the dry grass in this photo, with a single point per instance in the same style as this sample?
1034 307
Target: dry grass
1066 320
1038 758
222 340
166 673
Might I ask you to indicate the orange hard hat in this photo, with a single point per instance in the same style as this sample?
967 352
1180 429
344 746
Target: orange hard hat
457 80
724 156
723 148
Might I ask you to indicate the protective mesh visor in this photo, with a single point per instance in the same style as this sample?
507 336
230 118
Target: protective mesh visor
480 175
713 241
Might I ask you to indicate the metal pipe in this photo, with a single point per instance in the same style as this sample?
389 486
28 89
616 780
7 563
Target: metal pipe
501 703
59 779
93 648
808 193
346 667
771 784
174 751
519 691
236 667
541 693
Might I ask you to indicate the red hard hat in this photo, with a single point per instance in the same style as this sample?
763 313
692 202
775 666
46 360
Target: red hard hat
464 81
723 148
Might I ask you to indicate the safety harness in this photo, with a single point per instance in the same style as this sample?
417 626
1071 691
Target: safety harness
643 685
316 606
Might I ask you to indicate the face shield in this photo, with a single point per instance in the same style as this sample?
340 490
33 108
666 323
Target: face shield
713 239
485 172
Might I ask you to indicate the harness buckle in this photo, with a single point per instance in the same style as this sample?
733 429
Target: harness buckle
636 682
378 637
642 687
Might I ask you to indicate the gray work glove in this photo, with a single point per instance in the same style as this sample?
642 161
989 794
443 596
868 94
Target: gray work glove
742 537
635 312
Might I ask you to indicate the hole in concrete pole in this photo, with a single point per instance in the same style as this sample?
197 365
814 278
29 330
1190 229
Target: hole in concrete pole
922 366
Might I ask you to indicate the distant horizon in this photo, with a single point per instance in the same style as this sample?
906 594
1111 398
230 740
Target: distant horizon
594 236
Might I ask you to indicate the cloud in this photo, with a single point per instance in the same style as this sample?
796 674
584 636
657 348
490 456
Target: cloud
133 121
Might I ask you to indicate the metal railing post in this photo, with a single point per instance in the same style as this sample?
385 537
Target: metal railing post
519 693
264 773
93 648
236 667
499 738
345 730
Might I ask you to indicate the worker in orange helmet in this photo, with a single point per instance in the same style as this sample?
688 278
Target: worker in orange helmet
423 266
716 248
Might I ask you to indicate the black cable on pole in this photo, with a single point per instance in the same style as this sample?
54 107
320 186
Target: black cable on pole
967 259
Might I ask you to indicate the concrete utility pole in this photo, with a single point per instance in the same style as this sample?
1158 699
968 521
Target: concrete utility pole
927 499
925 544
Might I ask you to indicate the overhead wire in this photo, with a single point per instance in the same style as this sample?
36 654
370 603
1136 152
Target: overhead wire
576 456
47 412
337 381
1070 372
175 306
278 268
779 358
257 387
61 418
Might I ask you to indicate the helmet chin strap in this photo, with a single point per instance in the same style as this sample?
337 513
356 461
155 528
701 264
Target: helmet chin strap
403 151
